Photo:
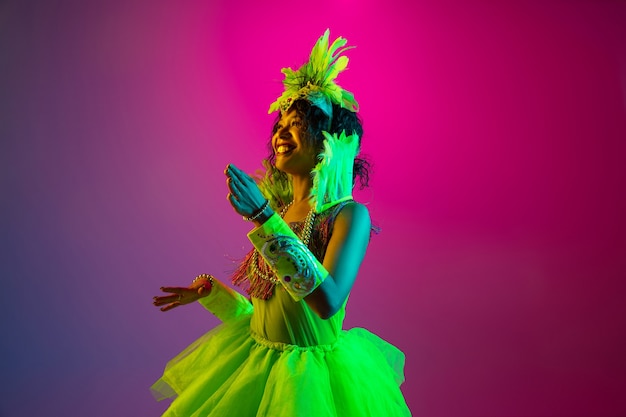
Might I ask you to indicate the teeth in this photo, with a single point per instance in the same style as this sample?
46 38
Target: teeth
283 149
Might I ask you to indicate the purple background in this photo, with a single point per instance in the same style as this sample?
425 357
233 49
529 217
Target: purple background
498 134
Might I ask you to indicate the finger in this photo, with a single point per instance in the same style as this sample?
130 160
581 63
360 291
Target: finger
159 301
235 188
234 202
239 174
175 290
230 184
170 306
229 174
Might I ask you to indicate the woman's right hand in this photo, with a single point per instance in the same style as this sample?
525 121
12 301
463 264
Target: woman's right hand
182 295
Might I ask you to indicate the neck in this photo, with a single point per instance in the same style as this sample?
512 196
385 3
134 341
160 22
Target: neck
301 188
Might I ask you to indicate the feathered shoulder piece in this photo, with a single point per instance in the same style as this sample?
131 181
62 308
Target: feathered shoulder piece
332 176
315 80
274 185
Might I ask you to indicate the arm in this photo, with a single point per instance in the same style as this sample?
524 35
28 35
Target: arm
345 252
224 302
326 286
302 275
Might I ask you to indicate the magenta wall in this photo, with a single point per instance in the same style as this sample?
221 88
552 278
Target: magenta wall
498 134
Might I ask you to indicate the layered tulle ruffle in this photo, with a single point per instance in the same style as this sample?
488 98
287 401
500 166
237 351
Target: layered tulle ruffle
231 372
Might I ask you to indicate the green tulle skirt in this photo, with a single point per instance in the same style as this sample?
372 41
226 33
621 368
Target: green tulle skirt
231 372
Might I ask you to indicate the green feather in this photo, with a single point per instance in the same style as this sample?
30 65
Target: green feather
274 185
318 75
332 176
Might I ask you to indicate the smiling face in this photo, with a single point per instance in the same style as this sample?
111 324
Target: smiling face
293 152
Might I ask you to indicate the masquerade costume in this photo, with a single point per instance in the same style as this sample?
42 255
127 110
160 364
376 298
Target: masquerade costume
272 355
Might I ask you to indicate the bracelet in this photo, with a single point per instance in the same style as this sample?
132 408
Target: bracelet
258 213
205 277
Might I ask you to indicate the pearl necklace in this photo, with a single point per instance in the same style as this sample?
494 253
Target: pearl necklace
305 237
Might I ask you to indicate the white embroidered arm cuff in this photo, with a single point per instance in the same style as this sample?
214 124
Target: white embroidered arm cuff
296 267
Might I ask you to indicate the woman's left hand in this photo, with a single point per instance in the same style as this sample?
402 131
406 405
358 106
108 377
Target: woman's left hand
244 194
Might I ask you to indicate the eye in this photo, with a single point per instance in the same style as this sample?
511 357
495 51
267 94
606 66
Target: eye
296 123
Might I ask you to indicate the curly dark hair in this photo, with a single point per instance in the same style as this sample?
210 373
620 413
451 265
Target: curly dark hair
315 121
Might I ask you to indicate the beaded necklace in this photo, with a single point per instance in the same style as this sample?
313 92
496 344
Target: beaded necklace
264 290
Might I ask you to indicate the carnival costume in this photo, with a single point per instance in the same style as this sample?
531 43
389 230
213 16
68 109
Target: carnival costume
272 355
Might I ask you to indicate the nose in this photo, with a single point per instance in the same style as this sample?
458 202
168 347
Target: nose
284 132
281 133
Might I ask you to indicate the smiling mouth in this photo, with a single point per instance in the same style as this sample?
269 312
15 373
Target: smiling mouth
284 149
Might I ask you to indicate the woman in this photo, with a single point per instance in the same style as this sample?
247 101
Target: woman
283 352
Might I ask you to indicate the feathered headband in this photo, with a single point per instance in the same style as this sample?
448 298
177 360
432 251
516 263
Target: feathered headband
314 81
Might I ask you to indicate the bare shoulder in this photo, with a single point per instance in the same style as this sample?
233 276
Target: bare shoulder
353 216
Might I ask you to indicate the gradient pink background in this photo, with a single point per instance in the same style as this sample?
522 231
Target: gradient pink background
498 134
